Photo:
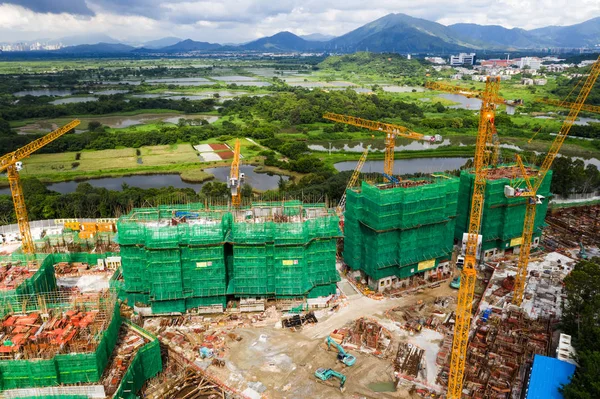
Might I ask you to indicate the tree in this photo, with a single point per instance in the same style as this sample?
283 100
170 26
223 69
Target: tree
247 190
4 127
94 125
581 312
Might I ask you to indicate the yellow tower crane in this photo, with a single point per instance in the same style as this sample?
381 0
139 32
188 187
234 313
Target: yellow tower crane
497 100
483 159
564 104
235 178
351 183
11 163
391 131
532 187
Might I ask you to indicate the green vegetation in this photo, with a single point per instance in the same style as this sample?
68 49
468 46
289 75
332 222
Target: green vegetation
281 126
581 311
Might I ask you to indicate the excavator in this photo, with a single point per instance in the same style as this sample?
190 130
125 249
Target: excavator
324 374
342 356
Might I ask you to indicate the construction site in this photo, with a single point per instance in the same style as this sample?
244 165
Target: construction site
440 286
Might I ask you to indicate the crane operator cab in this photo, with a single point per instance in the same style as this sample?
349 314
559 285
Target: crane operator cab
18 166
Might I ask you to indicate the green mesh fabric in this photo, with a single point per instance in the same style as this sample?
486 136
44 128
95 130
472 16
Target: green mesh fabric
390 231
503 217
63 368
272 249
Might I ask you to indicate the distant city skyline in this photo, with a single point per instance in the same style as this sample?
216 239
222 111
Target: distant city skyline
234 21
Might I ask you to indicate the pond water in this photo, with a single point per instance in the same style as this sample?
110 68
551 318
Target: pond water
260 181
44 92
110 92
377 145
175 119
71 100
234 78
402 89
408 166
463 102
123 82
179 80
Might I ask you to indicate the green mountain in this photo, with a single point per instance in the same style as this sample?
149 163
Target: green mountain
585 34
495 36
282 41
401 33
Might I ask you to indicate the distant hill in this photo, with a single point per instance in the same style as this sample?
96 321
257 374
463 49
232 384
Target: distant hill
189 45
585 34
497 36
100 48
92 38
160 43
400 33
317 37
395 33
282 41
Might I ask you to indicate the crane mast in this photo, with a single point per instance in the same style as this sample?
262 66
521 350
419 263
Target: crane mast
533 200
466 291
235 178
352 182
11 163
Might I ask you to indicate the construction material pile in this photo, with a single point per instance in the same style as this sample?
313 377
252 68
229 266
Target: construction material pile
12 276
365 335
500 353
567 227
30 336
66 268
128 344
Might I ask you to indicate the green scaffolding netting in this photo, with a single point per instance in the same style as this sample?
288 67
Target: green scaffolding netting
146 364
182 257
63 368
400 230
503 217
43 280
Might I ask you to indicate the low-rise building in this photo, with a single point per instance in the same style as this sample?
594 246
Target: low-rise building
463 59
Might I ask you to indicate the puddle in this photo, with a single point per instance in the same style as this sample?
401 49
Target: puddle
382 386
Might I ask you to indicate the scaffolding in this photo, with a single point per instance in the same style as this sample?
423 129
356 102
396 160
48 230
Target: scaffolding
400 229
177 258
502 221
56 338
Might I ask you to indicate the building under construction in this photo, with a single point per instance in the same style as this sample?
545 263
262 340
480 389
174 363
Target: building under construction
394 231
503 217
194 257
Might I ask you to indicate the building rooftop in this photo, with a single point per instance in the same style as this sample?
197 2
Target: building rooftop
547 376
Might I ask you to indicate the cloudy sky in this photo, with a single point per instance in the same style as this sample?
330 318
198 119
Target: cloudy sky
243 20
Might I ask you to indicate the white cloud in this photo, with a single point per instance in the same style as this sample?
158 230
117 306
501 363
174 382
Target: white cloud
242 20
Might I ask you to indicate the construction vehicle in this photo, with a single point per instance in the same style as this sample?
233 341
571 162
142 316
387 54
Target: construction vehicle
11 163
391 131
392 179
455 283
324 374
234 182
342 356
483 158
582 254
534 182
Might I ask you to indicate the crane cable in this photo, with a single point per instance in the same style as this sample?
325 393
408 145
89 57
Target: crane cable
562 103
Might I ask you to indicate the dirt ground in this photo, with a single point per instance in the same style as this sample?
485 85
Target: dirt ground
284 361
